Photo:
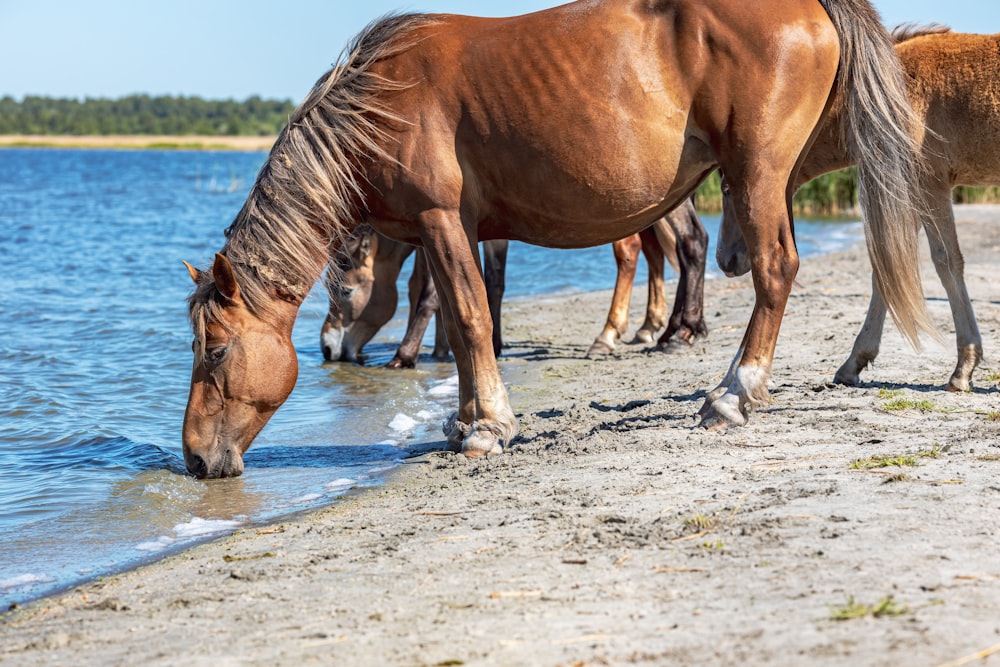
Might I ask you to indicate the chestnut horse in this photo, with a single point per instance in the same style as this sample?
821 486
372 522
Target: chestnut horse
363 297
954 84
569 127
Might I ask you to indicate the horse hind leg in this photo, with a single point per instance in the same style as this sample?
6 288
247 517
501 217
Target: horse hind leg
656 304
687 321
774 263
424 303
950 266
866 344
494 273
626 253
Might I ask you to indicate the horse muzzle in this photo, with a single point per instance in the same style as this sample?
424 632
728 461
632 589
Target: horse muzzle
221 462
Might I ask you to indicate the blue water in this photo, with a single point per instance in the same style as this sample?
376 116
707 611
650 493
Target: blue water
95 361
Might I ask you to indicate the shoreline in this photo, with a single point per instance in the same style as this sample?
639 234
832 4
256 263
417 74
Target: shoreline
615 530
139 142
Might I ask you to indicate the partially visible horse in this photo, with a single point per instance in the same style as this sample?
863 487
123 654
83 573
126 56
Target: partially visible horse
361 286
681 239
364 297
569 127
954 86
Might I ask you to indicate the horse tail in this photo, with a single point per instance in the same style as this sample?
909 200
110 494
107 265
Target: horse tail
879 128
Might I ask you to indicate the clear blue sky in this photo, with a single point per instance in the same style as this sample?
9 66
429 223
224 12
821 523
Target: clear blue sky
221 49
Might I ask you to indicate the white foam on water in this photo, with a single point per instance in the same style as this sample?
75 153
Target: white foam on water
198 527
307 498
402 423
447 387
24 580
159 544
339 484
425 415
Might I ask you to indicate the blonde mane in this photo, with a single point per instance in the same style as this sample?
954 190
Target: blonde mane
308 193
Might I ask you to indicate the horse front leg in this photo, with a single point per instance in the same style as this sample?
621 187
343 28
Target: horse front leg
626 253
484 423
774 262
687 320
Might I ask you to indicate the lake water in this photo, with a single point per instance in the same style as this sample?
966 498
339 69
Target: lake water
95 360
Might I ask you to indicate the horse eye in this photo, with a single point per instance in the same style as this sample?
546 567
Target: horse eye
215 355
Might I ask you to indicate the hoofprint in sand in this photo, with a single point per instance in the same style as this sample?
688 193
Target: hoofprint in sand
841 526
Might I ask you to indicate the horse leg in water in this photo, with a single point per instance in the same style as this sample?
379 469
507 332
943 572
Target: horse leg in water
687 321
457 275
950 266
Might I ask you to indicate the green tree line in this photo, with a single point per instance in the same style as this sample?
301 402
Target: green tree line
143 114
832 194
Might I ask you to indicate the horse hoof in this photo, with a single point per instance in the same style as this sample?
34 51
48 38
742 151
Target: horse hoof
482 443
455 431
846 377
600 349
958 385
397 362
642 336
722 413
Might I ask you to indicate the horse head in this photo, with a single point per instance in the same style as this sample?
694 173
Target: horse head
731 247
349 282
244 369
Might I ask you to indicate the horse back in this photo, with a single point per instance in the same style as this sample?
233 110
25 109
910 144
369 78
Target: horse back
955 86
589 112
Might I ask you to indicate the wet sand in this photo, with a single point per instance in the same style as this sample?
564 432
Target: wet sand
615 531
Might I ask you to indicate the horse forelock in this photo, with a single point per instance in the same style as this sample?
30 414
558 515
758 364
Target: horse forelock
309 192
907 31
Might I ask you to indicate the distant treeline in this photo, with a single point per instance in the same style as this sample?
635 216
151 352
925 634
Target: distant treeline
832 194
143 114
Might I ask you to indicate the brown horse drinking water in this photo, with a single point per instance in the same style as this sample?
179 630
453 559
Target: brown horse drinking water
569 127
361 287
954 83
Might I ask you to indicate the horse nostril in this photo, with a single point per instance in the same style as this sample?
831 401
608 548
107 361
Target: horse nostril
328 353
197 466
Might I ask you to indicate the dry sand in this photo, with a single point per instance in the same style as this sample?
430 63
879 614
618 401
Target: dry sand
615 531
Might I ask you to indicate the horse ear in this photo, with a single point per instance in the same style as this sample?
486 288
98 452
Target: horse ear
193 271
225 279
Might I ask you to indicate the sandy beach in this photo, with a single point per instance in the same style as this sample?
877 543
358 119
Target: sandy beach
616 531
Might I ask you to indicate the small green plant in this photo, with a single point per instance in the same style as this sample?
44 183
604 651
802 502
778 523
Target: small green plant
884 461
853 609
700 522
910 459
886 394
993 416
899 404
712 546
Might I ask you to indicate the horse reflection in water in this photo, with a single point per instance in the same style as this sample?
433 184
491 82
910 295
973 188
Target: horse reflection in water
954 84
570 127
